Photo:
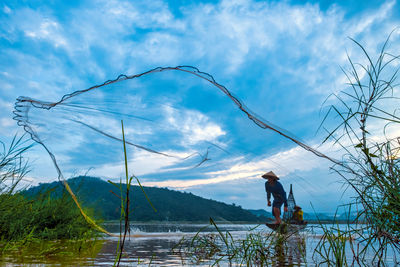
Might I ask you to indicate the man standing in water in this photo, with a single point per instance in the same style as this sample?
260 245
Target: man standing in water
272 186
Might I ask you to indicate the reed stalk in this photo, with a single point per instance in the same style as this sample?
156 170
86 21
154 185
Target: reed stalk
257 248
366 126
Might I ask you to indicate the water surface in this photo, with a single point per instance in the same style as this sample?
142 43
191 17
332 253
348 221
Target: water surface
156 244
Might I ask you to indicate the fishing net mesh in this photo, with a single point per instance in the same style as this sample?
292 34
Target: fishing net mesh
172 118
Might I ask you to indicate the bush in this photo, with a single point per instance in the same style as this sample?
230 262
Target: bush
45 216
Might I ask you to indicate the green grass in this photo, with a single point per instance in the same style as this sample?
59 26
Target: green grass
26 222
45 217
257 248
365 118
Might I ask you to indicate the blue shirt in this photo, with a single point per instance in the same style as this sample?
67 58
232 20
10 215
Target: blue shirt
277 192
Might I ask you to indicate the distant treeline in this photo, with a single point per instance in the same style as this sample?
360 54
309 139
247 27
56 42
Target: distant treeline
171 205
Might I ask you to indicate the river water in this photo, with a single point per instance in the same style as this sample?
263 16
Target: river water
164 244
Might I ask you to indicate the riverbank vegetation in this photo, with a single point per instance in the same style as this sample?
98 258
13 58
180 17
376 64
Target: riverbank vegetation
256 248
367 130
42 217
30 220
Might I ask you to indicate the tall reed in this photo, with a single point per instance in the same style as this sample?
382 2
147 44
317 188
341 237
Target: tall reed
29 221
13 164
213 246
367 130
125 203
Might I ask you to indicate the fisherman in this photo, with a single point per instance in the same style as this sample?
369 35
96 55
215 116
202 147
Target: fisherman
272 186
298 215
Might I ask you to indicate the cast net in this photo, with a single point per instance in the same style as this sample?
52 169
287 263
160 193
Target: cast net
180 124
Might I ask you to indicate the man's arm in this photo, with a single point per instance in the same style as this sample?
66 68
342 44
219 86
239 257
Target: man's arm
268 195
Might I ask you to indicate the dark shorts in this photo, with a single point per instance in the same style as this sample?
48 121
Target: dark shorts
276 204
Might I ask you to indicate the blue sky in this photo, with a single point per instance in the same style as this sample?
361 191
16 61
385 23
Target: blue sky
281 58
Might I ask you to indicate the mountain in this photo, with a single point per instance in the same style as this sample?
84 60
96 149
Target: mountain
310 217
262 213
171 205
326 217
313 217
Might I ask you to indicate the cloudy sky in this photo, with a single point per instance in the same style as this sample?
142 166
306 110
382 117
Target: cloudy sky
282 59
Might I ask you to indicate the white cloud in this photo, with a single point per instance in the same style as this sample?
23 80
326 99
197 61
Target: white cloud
140 163
7 105
360 26
159 48
47 80
194 126
7 10
6 126
296 159
48 30
6 86
6 122
101 39
41 164
142 14
229 33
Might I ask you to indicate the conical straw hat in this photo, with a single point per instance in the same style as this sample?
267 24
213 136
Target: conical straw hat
270 174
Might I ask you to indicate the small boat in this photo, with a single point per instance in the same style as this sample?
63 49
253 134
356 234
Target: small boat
288 225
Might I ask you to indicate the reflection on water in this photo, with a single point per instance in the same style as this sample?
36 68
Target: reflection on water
291 252
167 245
140 251
53 253
154 243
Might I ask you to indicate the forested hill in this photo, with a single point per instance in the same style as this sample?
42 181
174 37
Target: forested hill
170 205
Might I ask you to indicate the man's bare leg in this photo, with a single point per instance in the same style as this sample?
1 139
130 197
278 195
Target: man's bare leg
277 213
